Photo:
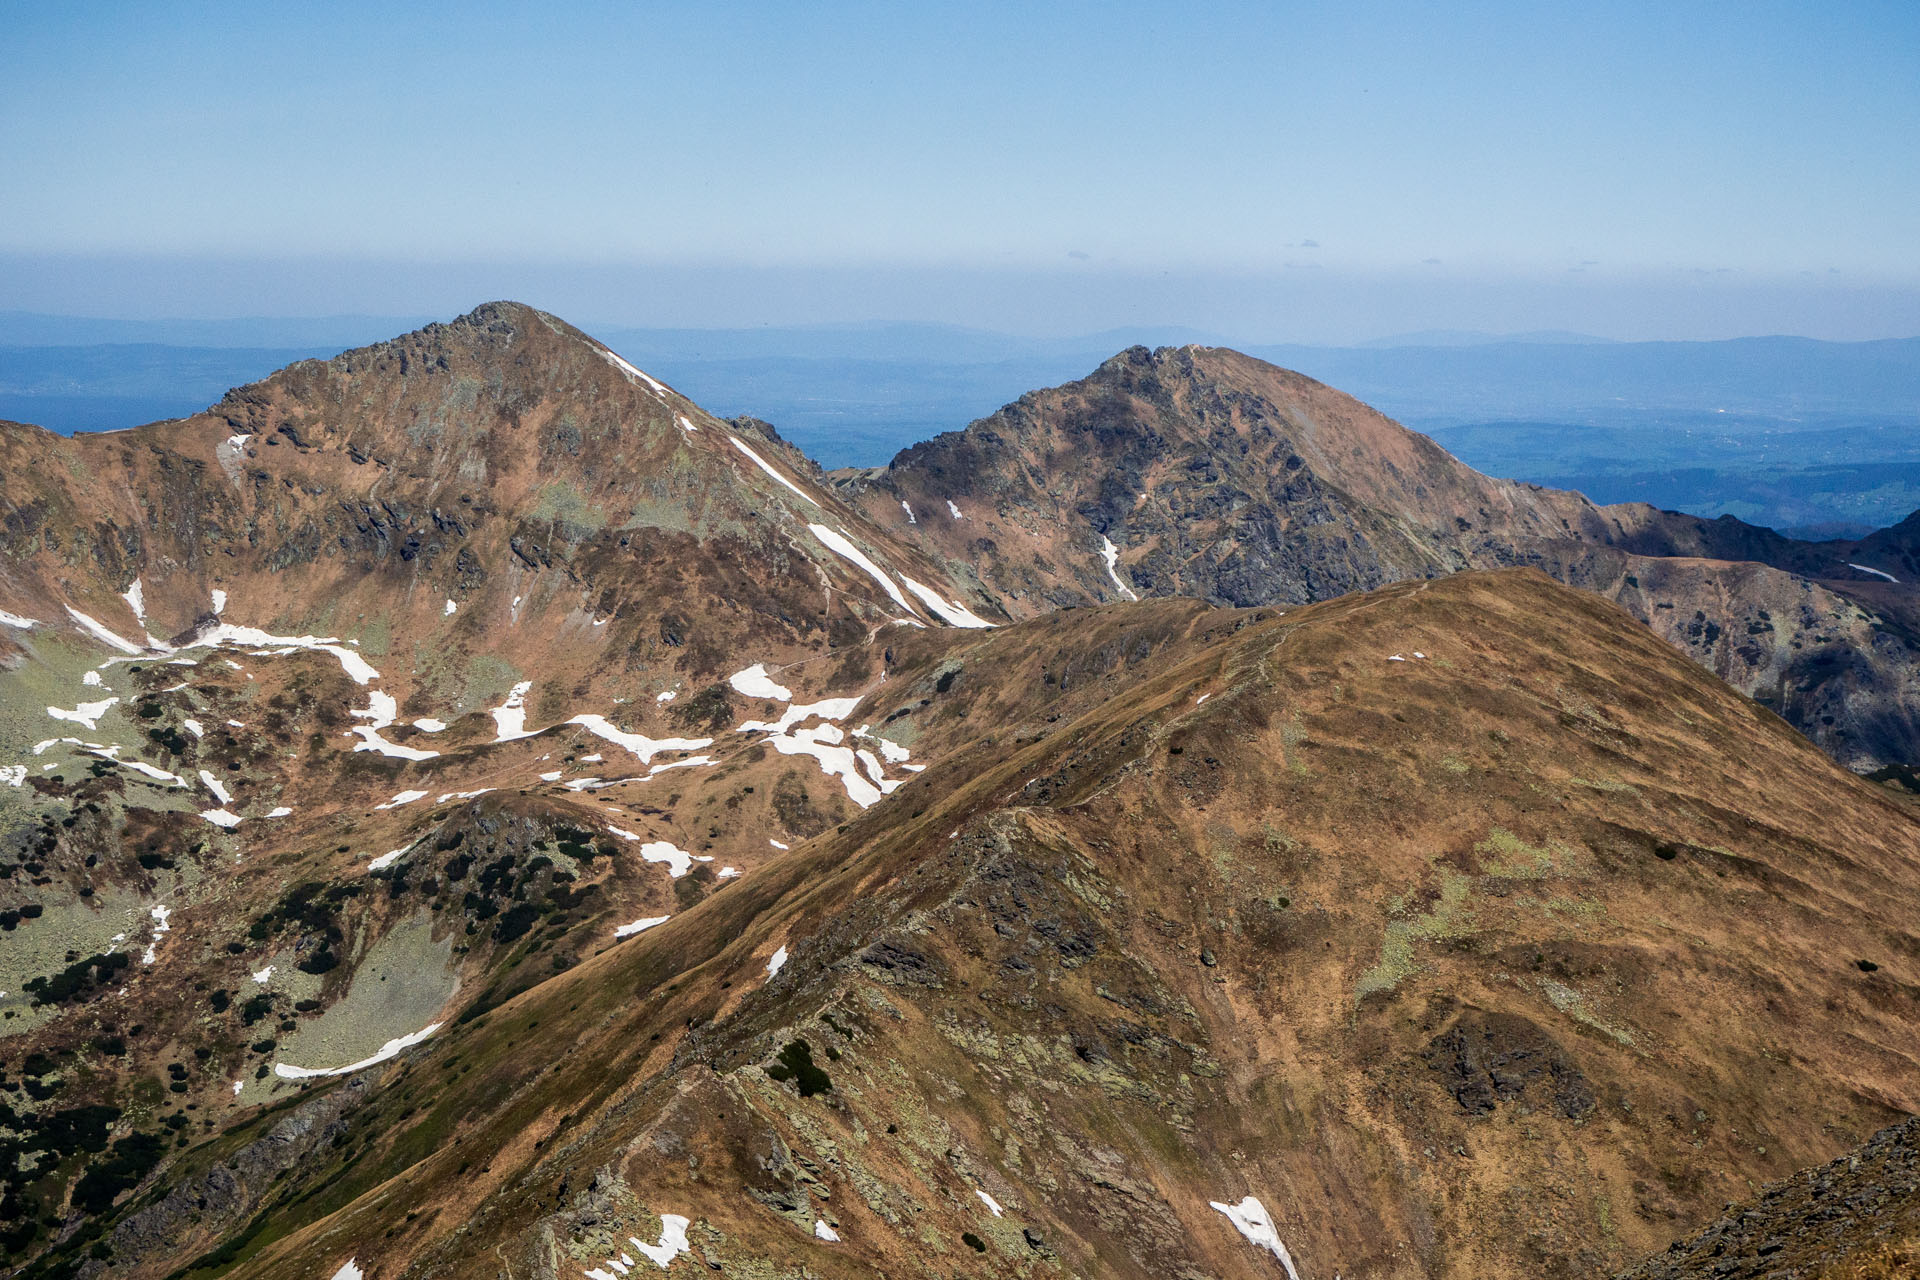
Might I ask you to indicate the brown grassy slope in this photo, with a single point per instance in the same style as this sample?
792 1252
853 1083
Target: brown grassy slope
1516 960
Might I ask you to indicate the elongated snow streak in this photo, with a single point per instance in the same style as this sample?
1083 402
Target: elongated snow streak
387 1050
659 388
216 786
1249 1217
103 635
404 797
350 1269
909 510
112 752
954 614
641 746
17 622
777 961
639 926
358 669
1878 573
953 510
841 544
993 1206
756 683
762 463
136 598
1111 554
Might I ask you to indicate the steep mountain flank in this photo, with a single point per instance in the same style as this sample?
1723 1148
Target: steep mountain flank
1203 472
1464 926
1857 1218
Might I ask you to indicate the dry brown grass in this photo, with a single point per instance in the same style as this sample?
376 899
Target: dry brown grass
1885 1261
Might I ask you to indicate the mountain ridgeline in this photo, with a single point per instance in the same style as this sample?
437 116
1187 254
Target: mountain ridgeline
467 811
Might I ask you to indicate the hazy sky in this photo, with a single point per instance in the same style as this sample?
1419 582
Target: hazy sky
1274 171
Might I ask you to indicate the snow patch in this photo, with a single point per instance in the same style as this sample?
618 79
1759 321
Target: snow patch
825 709
404 797
86 714
221 818
641 746
755 683
219 602
17 622
427 724
388 858
665 695
387 1050
777 962
776 844
1250 1219
639 926
381 711
822 1231
160 929
1111 554
92 680
993 1206
136 598
350 1269
909 510
953 510
13 775
263 977
451 606
673 1240
279 811
194 727
216 786
510 717
358 669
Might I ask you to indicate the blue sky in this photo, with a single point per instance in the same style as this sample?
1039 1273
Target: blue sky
1276 171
